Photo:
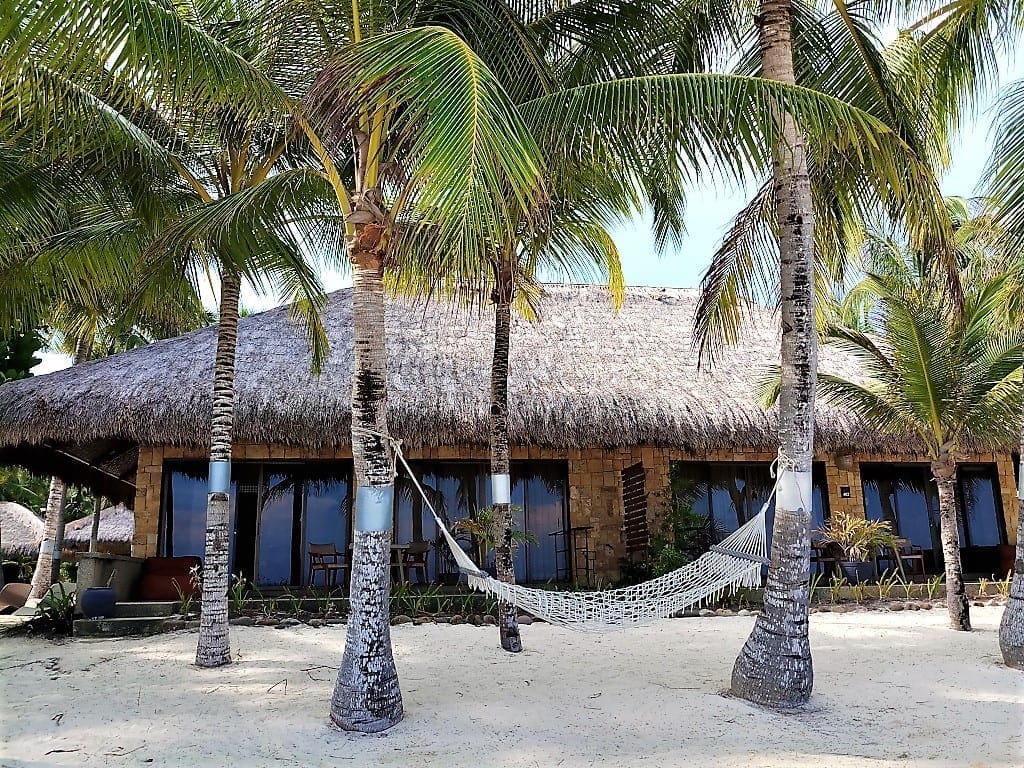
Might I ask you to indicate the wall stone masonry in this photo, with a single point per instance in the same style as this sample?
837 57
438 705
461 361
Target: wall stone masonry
595 485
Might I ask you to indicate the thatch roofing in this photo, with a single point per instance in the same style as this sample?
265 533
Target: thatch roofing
117 526
21 532
584 375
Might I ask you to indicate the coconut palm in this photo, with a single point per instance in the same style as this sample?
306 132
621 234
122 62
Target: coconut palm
422 147
949 377
218 165
1004 180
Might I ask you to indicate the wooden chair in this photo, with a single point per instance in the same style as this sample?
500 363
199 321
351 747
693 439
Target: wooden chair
415 559
911 554
326 558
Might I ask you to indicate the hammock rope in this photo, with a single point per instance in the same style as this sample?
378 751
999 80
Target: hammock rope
735 562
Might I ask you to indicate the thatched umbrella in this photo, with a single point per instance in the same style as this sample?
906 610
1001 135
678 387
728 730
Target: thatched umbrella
117 527
21 532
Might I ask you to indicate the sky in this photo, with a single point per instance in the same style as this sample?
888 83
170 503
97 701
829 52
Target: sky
710 209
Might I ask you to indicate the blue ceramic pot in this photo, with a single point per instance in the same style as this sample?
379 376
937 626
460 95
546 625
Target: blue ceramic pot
97 601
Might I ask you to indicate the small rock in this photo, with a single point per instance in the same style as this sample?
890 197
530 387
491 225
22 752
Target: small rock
745 612
689 614
824 609
914 606
335 620
267 622
895 606
476 620
525 620
926 606
442 620
840 609
706 612
724 612
457 619
401 619
490 620
316 622
422 620
243 621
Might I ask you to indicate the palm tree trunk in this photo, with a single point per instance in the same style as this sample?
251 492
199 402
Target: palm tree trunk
94 533
944 472
48 563
367 696
45 571
1011 627
214 647
774 668
508 627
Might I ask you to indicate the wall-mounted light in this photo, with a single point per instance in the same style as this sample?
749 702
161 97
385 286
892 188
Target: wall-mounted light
844 492
844 461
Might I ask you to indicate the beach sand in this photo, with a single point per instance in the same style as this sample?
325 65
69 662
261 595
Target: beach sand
891 689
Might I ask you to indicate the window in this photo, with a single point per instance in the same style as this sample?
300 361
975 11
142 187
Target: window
457 489
981 508
277 510
906 496
733 493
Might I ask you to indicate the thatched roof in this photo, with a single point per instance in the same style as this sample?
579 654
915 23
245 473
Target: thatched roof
585 375
21 532
117 526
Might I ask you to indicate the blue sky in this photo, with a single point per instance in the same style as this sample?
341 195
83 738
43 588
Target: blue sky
710 210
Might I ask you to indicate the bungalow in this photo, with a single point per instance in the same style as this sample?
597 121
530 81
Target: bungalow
608 411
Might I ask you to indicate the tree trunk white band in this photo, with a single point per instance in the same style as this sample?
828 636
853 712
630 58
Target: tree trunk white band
794 493
220 476
375 507
48 545
501 489
1020 482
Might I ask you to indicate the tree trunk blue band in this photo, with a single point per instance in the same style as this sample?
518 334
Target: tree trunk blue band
375 507
220 476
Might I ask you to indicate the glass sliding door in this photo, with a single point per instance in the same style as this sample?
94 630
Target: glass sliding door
277 510
733 493
982 525
328 503
459 489
905 496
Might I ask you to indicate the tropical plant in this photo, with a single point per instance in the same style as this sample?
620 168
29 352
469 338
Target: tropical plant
859 538
489 529
941 375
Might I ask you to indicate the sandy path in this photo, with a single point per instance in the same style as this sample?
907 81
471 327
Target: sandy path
888 685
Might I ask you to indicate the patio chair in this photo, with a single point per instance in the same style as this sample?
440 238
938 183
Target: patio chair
911 554
414 558
13 597
327 559
824 560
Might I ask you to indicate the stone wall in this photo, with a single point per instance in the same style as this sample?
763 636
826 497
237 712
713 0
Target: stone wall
595 485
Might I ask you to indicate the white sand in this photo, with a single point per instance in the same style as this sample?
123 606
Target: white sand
892 689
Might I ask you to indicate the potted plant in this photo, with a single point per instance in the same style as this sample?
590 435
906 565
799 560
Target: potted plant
860 541
485 531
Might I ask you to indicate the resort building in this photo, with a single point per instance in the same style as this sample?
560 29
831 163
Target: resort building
608 413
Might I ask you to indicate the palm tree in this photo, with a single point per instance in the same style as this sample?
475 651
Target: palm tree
802 221
1004 179
422 147
944 375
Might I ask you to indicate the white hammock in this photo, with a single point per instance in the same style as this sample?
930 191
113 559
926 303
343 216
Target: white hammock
736 562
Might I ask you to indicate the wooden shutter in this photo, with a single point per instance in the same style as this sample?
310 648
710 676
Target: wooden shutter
634 509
